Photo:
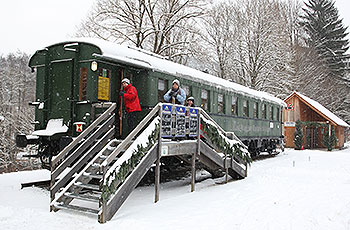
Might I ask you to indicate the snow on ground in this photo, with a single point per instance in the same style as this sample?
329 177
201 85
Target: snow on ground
312 194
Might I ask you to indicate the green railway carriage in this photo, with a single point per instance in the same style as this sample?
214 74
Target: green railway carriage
77 79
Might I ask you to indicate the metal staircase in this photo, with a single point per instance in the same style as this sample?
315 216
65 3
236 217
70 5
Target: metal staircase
96 173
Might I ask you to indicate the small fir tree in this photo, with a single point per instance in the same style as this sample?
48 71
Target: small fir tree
329 141
298 135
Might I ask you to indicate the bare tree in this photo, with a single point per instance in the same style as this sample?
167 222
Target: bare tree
249 42
219 35
154 25
16 91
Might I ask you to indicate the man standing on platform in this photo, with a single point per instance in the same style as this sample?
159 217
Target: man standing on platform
132 103
175 95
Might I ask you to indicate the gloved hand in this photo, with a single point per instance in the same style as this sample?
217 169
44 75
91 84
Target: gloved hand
171 94
122 92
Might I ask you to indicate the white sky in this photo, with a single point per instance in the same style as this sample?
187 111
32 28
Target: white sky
29 25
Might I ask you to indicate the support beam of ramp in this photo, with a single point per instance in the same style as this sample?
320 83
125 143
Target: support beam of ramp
128 185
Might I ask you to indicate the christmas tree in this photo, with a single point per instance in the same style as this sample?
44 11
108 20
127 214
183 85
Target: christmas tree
329 141
298 135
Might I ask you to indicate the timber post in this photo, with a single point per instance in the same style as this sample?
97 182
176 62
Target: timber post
157 169
102 200
194 155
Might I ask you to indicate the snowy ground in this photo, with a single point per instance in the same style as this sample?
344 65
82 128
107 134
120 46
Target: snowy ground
312 194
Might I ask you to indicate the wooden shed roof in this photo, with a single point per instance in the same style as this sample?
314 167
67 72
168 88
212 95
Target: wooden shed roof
318 108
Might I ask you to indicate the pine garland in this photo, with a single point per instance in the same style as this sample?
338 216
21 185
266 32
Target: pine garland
233 150
313 124
126 167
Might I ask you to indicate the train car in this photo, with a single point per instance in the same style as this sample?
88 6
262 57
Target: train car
76 80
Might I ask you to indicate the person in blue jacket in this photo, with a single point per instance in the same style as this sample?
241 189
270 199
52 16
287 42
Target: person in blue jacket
175 95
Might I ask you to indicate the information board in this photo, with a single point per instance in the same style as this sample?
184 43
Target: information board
180 119
166 120
193 122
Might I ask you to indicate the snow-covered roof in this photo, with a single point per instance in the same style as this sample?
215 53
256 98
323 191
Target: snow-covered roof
149 60
318 107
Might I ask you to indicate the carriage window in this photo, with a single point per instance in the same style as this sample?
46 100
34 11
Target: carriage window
263 111
204 99
187 90
277 114
271 113
161 89
128 75
83 80
221 103
256 110
245 108
104 76
234 106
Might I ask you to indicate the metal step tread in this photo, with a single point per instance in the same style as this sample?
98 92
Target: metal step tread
88 186
76 208
85 197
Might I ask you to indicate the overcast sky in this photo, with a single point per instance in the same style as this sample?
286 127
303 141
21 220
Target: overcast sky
29 25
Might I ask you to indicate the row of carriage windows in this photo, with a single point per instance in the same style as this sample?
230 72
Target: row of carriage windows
267 112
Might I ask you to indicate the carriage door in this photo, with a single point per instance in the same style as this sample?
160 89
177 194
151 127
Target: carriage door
61 89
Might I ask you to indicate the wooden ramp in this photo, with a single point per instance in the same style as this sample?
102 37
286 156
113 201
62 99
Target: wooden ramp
96 174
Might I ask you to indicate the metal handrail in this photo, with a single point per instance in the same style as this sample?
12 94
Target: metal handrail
69 147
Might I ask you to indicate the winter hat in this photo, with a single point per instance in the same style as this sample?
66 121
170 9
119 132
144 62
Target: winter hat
127 81
190 99
177 82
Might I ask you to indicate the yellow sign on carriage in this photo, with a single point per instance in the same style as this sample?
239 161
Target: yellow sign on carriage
103 88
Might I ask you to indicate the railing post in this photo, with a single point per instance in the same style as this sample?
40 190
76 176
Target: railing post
226 169
194 155
52 195
157 169
103 201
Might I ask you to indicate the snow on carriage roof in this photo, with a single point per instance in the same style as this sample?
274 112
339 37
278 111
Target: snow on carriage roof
322 109
146 59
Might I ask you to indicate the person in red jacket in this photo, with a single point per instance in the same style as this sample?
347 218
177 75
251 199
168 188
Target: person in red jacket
132 103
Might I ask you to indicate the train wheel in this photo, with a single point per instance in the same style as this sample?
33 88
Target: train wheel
45 156
46 162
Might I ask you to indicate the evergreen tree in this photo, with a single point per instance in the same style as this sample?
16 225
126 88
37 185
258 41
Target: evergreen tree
298 135
329 141
326 34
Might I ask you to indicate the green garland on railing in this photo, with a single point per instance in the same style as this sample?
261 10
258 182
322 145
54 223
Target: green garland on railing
232 150
129 165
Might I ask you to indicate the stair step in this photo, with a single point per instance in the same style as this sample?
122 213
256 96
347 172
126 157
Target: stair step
95 165
85 197
76 208
88 186
93 176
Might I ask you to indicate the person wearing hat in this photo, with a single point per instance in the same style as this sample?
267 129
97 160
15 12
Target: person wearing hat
175 95
190 102
131 101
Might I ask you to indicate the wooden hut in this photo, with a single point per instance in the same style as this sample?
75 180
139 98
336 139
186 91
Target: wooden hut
315 120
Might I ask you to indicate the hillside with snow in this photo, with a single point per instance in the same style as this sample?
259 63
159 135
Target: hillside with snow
307 189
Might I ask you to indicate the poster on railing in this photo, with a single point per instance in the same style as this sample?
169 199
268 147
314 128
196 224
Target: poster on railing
193 122
166 120
180 120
